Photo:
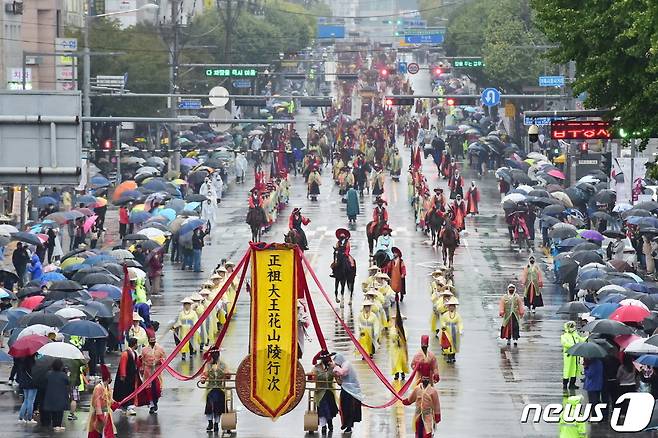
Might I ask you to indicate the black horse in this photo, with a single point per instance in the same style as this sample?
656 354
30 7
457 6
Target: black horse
344 273
294 237
256 219
450 240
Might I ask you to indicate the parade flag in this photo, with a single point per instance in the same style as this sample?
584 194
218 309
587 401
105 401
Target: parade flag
126 305
418 162
273 337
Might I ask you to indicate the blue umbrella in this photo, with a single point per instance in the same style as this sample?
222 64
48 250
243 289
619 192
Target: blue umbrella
14 315
191 206
191 225
648 359
73 268
45 201
4 357
613 298
156 185
86 199
112 291
99 181
169 213
98 259
602 311
84 328
588 274
52 276
139 217
645 221
647 288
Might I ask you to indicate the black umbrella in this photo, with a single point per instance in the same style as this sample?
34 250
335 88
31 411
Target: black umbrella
647 205
639 212
47 319
605 197
585 257
83 272
540 193
588 350
71 295
577 196
132 263
135 237
601 215
44 364
96 309
650 323
593 283
573 307
648 230
568 270
608 327
65 285
150 244
114 269
553 210
587 246
614 234
542 202
196 197
28 291
586 187
520 176
197 177
23 236
100 278
557 232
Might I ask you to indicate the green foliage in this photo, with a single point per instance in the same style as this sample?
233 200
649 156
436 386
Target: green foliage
500 31
614 44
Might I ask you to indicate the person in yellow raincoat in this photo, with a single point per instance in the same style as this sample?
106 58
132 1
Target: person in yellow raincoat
368 328
377 306
388 295
572 429
451 330
571 367
428 408
398 347
439 299
186 319
370 281
338 167
199 308
137 331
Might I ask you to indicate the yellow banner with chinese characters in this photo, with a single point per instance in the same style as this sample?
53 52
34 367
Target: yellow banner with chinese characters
273 340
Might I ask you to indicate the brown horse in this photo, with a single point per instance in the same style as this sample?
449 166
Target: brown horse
294 237
373 231
450 241
435 221
256 219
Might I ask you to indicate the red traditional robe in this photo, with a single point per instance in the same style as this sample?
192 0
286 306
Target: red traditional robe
426 365
459 212
472 199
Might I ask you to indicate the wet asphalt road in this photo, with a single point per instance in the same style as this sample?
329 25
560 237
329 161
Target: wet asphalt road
482 394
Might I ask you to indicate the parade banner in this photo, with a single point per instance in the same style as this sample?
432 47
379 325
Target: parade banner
273 340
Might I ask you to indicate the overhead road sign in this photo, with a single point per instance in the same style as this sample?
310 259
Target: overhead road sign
580 130
256 102
490 97
241 83
551 81
429 35
232 72
189 104
540 121
314 102
468 63
330 31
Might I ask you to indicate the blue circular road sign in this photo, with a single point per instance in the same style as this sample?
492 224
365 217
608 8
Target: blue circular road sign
490 97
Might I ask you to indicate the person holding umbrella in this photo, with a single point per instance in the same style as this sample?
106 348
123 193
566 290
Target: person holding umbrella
511 309
55 400
571 368
26 384
532 281
100 422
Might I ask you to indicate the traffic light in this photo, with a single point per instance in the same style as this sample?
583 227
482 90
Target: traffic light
584 148
399 101
107 144
451 101
383 72
437 71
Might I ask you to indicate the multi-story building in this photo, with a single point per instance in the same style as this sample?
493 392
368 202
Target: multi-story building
11 46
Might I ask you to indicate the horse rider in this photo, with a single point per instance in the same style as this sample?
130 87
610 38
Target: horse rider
295 222
343 244
439 199
379 214
385 242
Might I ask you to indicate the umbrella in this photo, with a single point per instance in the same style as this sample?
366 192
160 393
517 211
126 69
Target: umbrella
28 345
604 310
592 235
191 225
650 360
585 257
137 272
189 162
195 197
652 340
23 236
640 346
135 237
571 242
13 316
635 212
175 204
36 329
613 298
49 319
123 187
71 313
562 231
567 270
86 329
96 310
111 290
150 245
563 198
553 210
52 276
586 246
632 302
549 220
65 285
197 177
6 229
520 176
556 174
99 181
61 350
45 201
647 205
593 283
615 234
608 327
122 254
132 263
605 197
100 278
573 307
589 350
629 314
138 217
645 287
32 302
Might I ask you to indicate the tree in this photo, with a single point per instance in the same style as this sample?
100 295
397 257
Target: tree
614 44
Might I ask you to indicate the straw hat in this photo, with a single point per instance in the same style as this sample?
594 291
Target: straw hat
371 292
136 317
186 300
215 276
196 297
204 292
222 269
373 268
382 275
452 300
229 263
445 293
367 302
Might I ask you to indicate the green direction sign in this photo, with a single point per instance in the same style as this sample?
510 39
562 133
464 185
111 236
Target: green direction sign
232 72
424 31
468 63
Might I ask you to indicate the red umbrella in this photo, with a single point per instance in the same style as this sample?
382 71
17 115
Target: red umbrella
89 223
32 302
28 345
556 174
630 314
624 340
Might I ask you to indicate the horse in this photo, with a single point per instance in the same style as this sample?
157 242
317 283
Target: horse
293 237
450 241
373 232
434 222
343 273
256 219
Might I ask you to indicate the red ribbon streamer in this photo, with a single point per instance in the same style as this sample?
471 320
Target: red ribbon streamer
311 308
220 337
364 354
195 327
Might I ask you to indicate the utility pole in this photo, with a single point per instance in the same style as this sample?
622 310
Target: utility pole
171 36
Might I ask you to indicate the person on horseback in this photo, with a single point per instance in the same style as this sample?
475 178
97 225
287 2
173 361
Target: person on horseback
295 222
343 244
256 217
439 199
379 214
459 213
385 242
